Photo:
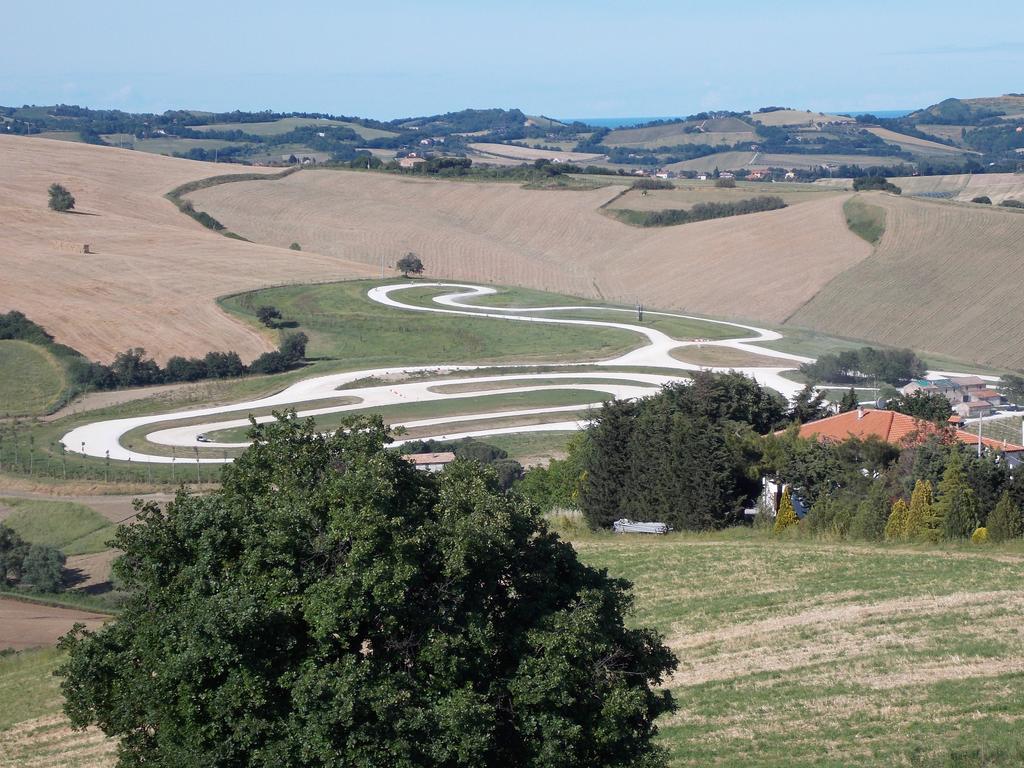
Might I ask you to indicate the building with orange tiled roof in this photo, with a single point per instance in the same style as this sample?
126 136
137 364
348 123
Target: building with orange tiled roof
892 427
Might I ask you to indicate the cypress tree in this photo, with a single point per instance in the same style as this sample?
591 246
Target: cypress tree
1005 521
786 516
869 522
920 517
956 512
608 464
896 527
849 401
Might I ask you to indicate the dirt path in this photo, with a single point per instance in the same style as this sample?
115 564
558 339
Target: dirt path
29 625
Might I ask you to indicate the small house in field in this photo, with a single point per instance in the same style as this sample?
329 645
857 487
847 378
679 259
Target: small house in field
410 162
430 462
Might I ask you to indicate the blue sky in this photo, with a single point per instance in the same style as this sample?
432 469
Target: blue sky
560 58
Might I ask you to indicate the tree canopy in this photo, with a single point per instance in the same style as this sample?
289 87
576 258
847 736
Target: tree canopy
410 264
333 606
60 199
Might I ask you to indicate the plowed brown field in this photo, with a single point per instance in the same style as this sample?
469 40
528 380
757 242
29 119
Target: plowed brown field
761 266
154 273
946 278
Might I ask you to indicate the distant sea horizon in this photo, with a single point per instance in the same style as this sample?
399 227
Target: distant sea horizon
627 122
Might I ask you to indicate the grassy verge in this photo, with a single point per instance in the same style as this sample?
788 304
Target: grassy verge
72 528
344 326
32 381
680 328
177 196
865 220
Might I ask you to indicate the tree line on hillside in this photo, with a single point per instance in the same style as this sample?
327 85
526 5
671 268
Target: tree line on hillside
892 366
132 368
863 183
706 211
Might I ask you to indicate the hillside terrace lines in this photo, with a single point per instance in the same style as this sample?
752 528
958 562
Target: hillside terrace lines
760 267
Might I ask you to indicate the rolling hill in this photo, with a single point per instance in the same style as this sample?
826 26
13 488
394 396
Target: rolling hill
728 131
152 275
945 279
554 240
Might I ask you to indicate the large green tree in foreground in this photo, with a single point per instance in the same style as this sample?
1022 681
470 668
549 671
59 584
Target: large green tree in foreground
333 606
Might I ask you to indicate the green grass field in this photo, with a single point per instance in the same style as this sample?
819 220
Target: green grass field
32 380
792 653
346 328
676 327
865 220
72 528
166 145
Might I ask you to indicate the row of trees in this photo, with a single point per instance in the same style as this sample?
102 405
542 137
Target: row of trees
931 489
865 183
132 368
705 211
892 366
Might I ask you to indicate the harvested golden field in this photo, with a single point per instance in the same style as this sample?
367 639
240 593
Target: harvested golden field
952 132
944 279
529 154
914 144
733 161
966 186
687 194
153 273
553 240
797 117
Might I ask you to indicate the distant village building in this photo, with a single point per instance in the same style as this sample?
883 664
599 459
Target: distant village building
410 162
969 396
430 462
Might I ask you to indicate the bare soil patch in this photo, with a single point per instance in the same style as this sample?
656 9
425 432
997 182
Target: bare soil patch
30 625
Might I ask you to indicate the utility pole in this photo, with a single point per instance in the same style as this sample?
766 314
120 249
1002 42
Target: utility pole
172 464
979 437
198 478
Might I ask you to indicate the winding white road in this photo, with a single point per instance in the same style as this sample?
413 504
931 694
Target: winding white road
108 438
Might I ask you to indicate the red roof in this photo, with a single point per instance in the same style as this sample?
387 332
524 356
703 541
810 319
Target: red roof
890 426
